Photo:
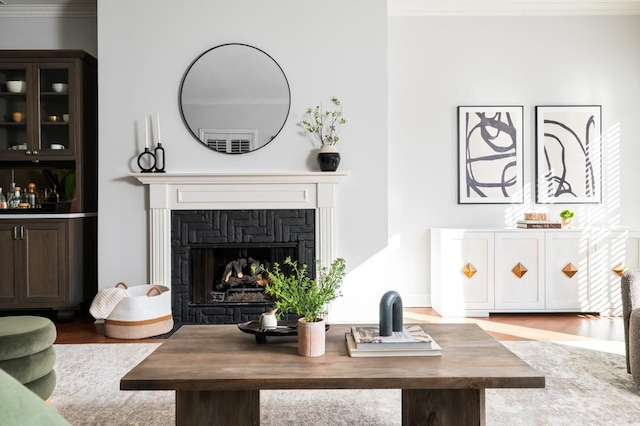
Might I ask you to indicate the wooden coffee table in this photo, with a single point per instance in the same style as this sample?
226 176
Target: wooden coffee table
218 372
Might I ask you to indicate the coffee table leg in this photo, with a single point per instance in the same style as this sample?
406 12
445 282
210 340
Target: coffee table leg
218 408
443 407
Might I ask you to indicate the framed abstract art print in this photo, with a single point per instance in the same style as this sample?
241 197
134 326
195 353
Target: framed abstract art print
490 160
569 154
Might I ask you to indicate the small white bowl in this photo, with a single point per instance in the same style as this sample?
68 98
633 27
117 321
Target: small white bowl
18 147
57 146
59 87
16 86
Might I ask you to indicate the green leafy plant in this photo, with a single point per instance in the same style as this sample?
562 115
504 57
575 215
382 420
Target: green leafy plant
566 214
324 125
64 181
298 293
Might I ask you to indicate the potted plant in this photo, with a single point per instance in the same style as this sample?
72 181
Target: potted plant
324 126
298 293
567 218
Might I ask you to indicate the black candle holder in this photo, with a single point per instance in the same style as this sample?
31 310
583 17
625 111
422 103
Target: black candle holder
149 158
159 156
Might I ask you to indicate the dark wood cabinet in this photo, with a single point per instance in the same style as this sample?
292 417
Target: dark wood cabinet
48 118
40 271
46 264
48 136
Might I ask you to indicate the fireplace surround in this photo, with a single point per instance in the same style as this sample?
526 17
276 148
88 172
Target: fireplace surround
218 257
169 192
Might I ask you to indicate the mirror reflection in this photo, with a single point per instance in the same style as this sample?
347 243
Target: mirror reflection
234 98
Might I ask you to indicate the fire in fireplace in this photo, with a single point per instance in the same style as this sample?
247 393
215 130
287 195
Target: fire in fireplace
234 273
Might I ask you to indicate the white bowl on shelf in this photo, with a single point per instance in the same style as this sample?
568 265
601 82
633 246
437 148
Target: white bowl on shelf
16 86
60 87
18 147
57 146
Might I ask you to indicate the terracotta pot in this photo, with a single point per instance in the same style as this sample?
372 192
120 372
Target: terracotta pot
311 337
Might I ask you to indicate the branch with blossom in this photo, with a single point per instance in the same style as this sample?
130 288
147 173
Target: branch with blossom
324 125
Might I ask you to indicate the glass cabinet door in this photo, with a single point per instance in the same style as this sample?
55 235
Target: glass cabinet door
14 112
55 109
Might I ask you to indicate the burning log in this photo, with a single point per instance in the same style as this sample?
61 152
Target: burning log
243 272
234 270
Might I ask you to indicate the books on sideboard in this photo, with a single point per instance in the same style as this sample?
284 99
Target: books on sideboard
537 224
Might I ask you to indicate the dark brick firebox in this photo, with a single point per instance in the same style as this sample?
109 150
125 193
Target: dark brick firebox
191 228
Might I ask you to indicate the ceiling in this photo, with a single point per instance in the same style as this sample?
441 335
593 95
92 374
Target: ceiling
45 8
512 7
47 2
396 7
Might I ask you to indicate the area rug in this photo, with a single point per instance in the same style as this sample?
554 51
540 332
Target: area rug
584 386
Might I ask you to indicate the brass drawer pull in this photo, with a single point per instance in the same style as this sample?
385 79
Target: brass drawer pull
469 270
570 270
519 270
619 269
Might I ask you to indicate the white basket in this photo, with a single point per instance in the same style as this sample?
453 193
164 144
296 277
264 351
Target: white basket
145 312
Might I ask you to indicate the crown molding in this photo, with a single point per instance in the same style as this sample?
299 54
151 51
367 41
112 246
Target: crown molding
404 8
512 7
40 11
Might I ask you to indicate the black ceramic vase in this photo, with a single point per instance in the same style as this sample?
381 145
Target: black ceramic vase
328 158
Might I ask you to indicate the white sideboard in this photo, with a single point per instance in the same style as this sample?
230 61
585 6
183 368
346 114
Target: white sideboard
475 272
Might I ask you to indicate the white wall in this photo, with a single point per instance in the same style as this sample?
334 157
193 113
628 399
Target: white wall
439 63
48 32
338 49
434 65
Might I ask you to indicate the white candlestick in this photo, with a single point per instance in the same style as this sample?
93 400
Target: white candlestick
159 139
146 132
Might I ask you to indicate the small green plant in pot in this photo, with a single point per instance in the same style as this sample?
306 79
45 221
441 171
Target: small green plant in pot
300 294
567 218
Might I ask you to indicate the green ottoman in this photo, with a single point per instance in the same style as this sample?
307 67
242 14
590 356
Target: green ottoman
26 352
19 406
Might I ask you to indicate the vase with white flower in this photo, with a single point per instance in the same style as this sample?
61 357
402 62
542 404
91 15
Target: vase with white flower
324 125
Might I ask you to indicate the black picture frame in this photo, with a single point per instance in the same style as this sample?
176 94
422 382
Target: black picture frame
569 154
490 154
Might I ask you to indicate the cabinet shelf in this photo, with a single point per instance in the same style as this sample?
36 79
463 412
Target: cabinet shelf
61 207
44 123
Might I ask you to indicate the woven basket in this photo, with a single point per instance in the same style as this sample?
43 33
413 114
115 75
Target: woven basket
144 313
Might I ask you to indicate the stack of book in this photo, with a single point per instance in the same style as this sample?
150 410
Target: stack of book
537 224
365 341
537 221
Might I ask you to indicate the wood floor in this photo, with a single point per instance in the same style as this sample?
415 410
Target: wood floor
553 327
543 327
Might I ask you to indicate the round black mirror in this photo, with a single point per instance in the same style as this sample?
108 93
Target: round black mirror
234 98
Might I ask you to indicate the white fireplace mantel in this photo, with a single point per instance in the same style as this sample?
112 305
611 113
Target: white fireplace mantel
236 191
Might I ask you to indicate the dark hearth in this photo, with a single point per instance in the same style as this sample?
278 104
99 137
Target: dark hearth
218 257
